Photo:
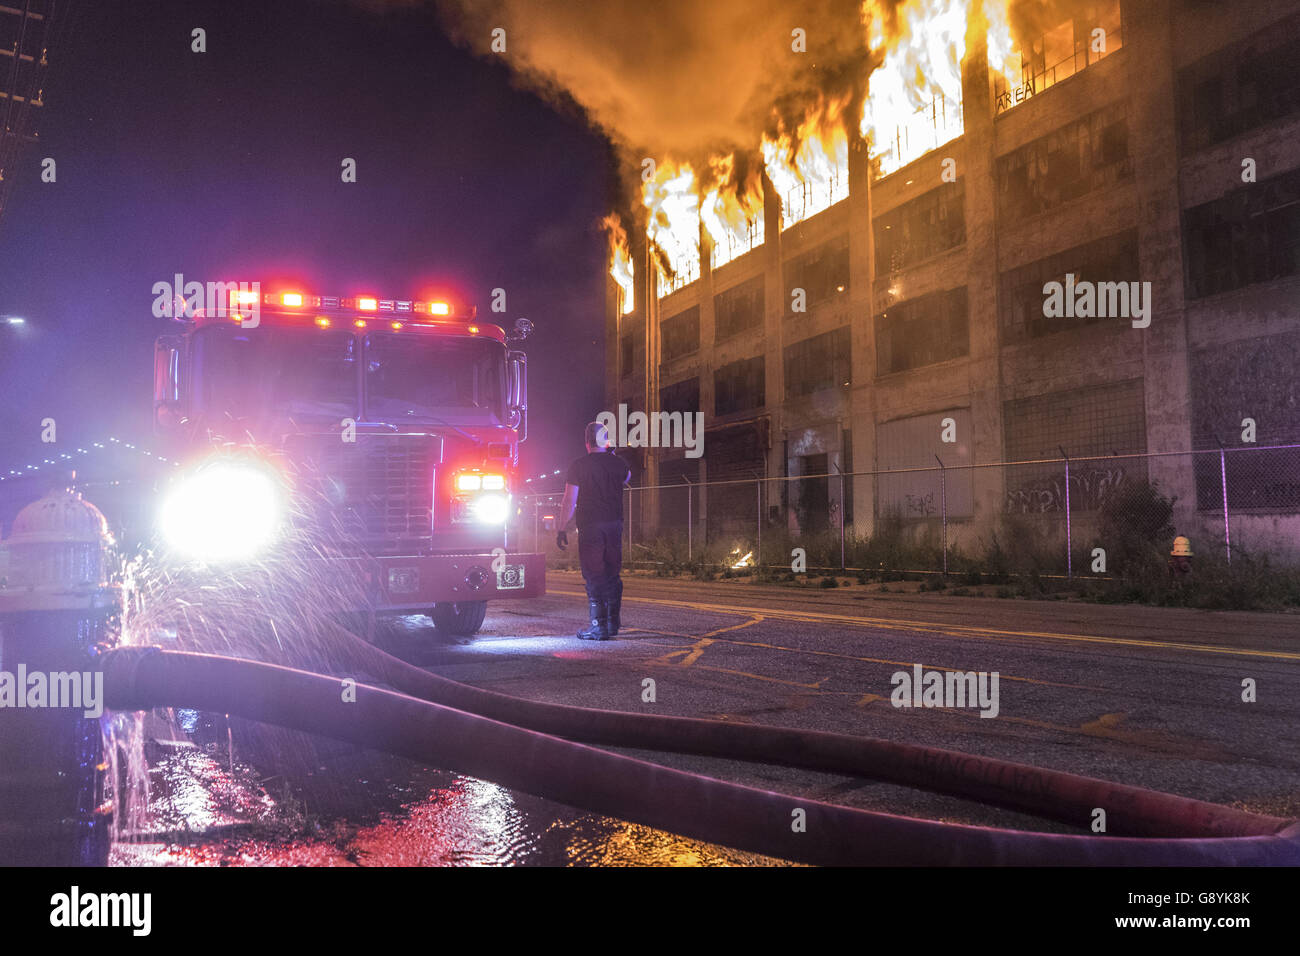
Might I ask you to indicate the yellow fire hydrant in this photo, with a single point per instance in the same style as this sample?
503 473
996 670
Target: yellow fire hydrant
1180 558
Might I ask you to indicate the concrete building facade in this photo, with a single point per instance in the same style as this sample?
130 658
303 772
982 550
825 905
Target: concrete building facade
1172 159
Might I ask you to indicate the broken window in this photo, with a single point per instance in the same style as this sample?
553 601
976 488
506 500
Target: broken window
739 387
922 331
823 361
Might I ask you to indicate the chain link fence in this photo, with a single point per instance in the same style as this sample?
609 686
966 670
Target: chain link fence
1064 517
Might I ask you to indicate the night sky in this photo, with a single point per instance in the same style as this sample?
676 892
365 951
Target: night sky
226 165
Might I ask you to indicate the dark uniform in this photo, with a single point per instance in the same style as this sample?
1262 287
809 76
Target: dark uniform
599 478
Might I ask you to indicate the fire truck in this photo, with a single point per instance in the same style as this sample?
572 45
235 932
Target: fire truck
404 416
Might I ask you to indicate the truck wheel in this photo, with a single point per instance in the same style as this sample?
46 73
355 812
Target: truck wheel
461 619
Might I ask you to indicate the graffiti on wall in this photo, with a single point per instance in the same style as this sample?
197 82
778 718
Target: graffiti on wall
921 504
1089 489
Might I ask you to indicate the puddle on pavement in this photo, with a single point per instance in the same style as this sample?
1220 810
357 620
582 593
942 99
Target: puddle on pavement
332 804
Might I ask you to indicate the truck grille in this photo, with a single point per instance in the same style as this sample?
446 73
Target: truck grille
379 488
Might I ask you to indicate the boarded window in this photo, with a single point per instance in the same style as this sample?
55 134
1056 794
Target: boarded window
1254 379
913 443
1102 420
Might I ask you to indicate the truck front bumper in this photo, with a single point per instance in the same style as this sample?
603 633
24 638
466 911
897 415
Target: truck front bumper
420 581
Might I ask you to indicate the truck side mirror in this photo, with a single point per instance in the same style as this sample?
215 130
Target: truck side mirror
168 397
517 400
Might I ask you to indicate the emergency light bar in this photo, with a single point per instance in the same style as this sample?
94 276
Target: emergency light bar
327 303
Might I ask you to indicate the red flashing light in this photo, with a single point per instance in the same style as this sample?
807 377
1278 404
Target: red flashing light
439 308
291 299
367 304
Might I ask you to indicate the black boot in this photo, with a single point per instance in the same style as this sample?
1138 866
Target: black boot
597 631
613 607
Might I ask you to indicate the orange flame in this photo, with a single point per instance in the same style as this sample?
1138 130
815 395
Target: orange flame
672 198
732 211
914 100
620 262
809 166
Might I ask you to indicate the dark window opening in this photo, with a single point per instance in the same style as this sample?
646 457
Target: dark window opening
739 387
823 273
1110 259
822 361
933 328
738 309
680 334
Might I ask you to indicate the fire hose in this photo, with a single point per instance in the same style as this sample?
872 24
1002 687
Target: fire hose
1047 794
642 792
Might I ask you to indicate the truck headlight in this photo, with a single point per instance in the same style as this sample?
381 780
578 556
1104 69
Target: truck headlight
480 509
490 509
225 511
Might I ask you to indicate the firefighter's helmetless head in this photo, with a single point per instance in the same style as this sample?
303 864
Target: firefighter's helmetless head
597 437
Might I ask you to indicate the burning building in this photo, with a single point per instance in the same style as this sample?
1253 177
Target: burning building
863 287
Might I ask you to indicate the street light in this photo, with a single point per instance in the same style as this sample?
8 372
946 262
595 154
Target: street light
14 320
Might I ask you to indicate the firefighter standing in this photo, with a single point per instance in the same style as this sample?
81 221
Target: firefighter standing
593 496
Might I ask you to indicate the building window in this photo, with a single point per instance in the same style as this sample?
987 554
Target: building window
1250 235
913 447
1110 259
1057 53
739 387
1240 87
627 353
1252 378
680 335
1067 163
1103 420
683 396
739 309
917 230
924 331
823 273
822 361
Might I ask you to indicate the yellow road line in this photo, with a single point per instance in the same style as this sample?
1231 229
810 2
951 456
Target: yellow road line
956 630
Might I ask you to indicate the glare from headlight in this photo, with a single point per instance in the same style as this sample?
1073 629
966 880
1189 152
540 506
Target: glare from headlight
490 509
223 512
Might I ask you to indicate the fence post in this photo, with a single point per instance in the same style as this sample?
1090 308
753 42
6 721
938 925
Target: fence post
1223 482
943 506
1069 549
690 524
841 471
537 531
758 560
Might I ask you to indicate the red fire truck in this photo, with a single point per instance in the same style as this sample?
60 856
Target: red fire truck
405 416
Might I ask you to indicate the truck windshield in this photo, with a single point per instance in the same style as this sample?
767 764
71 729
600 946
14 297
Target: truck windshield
304 374
422 378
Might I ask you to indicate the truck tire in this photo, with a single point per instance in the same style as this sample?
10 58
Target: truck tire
462 619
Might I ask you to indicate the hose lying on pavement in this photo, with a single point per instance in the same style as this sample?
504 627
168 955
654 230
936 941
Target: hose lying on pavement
684 803
1047 794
